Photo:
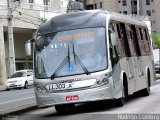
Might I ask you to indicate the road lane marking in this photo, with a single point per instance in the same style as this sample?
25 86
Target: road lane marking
17 100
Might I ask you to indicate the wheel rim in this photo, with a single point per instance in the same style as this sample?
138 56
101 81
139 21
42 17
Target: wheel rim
124 95
26 85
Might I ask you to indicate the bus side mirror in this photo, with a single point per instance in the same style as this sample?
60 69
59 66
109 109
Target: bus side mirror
114 38
28 47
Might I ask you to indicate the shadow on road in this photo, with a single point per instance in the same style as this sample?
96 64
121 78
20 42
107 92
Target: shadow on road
85 109
94 107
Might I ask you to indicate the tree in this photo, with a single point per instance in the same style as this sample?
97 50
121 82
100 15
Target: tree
156 40
42 20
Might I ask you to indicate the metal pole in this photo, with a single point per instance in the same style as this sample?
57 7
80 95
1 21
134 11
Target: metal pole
27 62
10 39
138 8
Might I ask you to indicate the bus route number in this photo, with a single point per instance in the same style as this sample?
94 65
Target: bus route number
59 86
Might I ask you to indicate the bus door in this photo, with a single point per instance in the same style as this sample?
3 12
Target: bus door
120 55
137 44
129 60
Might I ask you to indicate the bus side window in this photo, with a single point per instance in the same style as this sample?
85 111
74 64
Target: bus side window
130 40
141 40
135 39
125 40
120 45
113 51
141 33
147 40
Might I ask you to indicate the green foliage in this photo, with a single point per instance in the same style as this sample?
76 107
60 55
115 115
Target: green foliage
156 39
42 20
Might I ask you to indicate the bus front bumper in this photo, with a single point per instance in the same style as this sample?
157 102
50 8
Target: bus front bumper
95 94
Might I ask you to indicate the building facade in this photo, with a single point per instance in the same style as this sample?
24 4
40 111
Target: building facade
28 15
144 8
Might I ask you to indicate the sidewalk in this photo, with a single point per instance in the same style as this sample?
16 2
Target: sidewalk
2 87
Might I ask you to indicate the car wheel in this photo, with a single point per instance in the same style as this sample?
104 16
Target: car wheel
8 89
19 88
26 85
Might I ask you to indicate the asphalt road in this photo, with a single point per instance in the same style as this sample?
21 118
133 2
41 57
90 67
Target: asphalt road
136 107
16 100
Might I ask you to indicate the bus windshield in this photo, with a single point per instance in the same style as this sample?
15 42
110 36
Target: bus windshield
80 51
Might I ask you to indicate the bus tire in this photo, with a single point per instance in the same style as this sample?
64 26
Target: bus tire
62 109
121 101
146 91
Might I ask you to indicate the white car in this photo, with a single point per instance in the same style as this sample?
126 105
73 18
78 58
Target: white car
20 79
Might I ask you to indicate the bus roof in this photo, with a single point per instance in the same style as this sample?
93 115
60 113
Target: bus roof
84 19
76 20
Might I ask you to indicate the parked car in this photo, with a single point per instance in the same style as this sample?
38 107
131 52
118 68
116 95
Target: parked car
157 67
20 79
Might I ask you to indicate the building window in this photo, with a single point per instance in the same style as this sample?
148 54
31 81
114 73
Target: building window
31 1
16 0
61 3
134 12
152 11
100 4
95 6
31 5
152 0
124 2
125 12
148 12
119 11
135 2
119 1
45 2
148 2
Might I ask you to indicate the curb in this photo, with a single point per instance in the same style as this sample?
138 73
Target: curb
18 108
2 88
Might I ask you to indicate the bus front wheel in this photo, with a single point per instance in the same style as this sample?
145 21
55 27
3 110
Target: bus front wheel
62 109
120 102
146 91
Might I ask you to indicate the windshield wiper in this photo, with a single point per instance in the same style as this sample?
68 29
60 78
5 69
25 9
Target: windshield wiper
79 61
63 63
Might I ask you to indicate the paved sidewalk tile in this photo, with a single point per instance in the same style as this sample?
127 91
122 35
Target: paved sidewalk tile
2 87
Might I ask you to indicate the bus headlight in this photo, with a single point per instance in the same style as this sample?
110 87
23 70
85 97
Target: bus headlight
105 81
102 82
41 89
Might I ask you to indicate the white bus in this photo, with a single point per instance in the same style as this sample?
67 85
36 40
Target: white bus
91 56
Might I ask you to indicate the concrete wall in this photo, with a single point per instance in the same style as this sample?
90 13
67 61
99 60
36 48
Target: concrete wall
156 55
19 46
20 39
106 4
157 15
25 23
3 75
152 8
122 8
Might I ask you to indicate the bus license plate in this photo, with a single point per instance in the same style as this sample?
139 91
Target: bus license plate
59 86
70 98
